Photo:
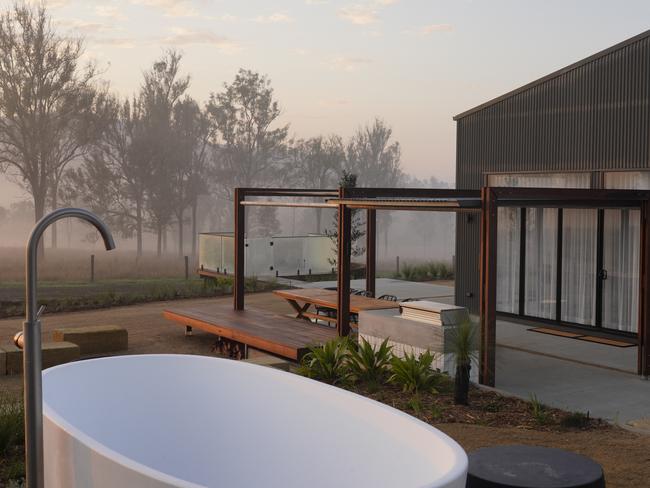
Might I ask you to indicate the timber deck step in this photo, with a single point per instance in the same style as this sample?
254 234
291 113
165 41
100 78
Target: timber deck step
257 328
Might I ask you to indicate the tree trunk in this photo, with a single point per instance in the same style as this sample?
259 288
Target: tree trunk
163 230
461 384
54 238
195 205
138 228
180 233
39 212
159 241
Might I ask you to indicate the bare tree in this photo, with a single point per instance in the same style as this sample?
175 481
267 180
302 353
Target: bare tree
112 179
373 156
47 102
251 152
318 162
192 131
162 89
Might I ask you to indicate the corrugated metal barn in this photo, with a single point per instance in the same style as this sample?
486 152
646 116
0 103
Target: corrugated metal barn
584 126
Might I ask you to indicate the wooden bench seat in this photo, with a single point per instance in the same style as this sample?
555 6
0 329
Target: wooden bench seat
94 339
257 328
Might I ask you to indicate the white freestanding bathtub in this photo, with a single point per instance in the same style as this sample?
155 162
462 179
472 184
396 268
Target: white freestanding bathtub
192 421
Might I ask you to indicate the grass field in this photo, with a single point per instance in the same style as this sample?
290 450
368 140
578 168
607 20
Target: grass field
120 278
73 265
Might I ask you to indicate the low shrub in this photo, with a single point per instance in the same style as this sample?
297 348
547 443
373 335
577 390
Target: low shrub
432 270
575 420
413 374
539 411
12 427
370 365
328 363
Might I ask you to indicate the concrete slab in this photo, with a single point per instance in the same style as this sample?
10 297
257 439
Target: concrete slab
14 358
3 362
94 339
270 362
616 396
518 336
53 354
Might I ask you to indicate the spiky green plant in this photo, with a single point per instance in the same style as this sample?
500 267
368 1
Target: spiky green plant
413 374
538 410
328 363
368 364
464 347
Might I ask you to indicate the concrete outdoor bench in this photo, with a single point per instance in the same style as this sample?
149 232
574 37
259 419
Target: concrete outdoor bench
54 353
95 339
270 362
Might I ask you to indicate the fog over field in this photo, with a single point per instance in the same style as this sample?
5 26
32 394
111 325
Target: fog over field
162 108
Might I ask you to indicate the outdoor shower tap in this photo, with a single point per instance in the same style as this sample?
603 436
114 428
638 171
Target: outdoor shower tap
30 341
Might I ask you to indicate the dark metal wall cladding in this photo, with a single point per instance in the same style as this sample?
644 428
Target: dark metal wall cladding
594 117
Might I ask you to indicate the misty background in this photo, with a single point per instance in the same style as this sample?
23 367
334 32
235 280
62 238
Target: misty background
160 166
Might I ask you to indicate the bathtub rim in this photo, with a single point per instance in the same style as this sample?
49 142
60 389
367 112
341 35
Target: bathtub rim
459 455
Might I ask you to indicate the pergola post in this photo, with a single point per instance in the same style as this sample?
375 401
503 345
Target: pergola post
343 260
488 274
644 293
371 250
240 235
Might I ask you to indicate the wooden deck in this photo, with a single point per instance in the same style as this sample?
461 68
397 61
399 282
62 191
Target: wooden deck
255 327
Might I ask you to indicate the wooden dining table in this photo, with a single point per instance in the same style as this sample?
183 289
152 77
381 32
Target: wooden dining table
302 299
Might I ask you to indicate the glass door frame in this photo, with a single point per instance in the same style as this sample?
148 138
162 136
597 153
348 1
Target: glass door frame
598 312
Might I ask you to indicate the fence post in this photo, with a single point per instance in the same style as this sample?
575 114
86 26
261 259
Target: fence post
187 267
92 268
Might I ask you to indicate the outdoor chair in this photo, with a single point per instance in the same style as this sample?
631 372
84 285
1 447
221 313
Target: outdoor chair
364 293
390 298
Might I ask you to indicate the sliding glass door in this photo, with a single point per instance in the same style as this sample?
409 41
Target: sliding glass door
527 274
572 266
620 274
621 244
508 244
540 263
579 262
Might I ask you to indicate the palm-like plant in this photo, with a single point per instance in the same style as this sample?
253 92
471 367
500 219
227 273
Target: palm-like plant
328 363
465 351
413 374
368 364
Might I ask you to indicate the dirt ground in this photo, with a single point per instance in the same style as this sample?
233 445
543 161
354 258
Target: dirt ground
625 456
149 332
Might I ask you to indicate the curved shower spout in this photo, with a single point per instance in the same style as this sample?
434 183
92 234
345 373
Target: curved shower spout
30 341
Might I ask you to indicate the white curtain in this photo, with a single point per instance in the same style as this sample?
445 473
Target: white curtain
541 244
579 242
508 236
621 260
541 262
621 255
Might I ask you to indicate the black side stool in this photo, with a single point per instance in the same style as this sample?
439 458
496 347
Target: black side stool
532 467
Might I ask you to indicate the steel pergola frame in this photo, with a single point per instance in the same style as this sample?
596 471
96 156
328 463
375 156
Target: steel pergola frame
486 202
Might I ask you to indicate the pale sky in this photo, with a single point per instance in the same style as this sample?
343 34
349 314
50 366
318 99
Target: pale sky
337 64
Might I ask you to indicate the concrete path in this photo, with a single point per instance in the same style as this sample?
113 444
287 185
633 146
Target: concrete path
518 336
612 395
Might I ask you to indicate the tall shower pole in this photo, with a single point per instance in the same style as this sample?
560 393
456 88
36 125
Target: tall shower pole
30 341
